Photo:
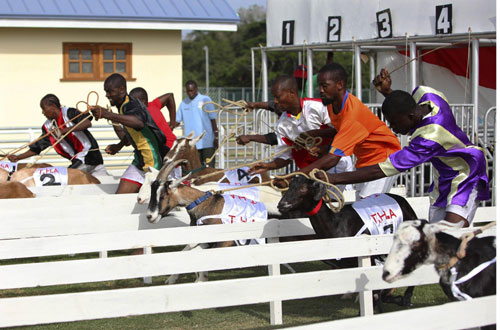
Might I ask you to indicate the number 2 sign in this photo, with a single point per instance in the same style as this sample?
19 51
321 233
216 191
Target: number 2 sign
333 29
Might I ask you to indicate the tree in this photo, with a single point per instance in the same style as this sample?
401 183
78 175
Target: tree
230 55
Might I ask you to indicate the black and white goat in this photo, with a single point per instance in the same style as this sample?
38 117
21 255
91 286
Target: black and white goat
306 195
418 242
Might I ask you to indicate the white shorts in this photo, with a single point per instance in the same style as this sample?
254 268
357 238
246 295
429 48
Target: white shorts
134 174
378 186
95 170
344 165
467 211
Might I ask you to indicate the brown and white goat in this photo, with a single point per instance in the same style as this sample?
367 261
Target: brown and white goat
185 148
12 189
167 195
418 242
75 176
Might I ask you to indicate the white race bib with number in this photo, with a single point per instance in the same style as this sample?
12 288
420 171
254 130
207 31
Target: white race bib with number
380 213
51 176
8 166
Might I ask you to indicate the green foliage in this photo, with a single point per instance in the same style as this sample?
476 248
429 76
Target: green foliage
230 55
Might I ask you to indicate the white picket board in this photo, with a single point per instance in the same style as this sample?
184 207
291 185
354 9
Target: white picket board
94 270
47 246
453 315
80 189
85 223
192 296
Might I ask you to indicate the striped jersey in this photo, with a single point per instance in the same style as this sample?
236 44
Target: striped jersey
76 145
459 165
148 142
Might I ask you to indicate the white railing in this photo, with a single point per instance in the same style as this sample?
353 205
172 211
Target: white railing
81 224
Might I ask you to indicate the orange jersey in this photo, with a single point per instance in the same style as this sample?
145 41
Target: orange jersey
362 133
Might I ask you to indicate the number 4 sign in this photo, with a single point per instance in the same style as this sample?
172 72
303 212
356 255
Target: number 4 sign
444 19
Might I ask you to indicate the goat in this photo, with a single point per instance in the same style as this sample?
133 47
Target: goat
166 195
4 175
75 176
14 190
264 192
7 169
418 242
185 148
306 195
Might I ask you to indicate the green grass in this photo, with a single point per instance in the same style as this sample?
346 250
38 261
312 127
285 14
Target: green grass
295 312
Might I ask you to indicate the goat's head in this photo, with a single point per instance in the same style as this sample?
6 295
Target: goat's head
165 194
412 246
302 194
145 191
184 148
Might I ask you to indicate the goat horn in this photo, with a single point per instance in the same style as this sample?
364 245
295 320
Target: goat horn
177 182
167 168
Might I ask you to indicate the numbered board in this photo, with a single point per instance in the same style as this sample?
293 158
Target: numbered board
321 21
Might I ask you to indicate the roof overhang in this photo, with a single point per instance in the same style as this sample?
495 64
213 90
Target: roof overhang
116 24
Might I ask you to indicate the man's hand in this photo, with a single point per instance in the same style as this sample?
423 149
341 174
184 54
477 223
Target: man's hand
258 168
13 158
99 112
113 148
243 139
281 183
383 82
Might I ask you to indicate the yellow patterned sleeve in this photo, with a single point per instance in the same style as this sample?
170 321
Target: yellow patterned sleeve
388 168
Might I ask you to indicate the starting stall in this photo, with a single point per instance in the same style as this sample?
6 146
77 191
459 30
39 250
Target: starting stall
449 46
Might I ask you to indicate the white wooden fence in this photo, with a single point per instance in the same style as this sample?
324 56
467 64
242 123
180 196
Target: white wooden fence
79 224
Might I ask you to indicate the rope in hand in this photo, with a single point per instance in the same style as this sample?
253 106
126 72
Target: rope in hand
49 132
240 104
240 166
70 130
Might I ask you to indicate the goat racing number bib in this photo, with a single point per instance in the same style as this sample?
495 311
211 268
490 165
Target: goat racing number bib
51 176
380 213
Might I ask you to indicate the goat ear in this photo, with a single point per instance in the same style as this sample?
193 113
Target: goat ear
441 226
319 190
190 135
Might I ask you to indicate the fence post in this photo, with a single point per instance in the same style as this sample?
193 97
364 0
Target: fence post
365 297
148 250
275 307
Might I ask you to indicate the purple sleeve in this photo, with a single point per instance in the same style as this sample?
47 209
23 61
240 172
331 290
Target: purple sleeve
417 152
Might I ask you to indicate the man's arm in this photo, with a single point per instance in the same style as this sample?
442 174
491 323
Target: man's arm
126 120
264 167
364 174
216 133
14 158
168 100
326 162
269 138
